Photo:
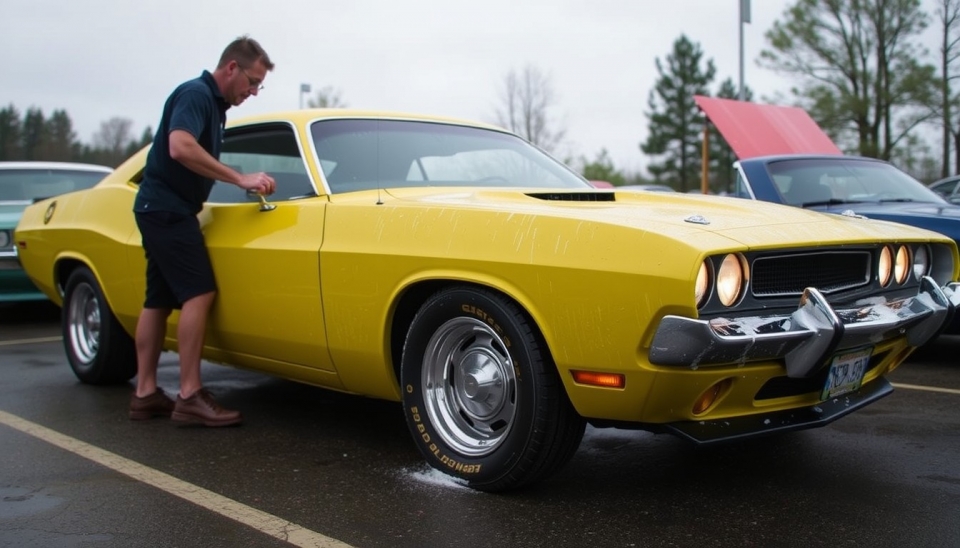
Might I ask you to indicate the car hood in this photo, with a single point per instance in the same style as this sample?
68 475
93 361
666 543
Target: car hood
942 218
679 216
901 209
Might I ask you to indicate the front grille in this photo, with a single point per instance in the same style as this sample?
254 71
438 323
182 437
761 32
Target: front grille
829 272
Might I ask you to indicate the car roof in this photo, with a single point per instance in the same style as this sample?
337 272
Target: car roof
310 114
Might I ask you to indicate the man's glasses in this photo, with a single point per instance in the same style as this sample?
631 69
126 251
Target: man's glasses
254 84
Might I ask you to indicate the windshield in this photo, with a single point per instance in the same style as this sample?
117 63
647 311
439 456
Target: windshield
365 154
815 181
28 185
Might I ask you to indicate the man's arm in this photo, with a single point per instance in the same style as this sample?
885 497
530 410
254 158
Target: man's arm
185 149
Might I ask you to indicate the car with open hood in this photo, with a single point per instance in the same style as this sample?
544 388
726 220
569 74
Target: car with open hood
502 300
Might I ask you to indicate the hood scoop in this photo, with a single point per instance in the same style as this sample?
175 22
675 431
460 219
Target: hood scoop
574 196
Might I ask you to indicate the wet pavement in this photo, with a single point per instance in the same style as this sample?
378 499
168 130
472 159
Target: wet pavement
345 469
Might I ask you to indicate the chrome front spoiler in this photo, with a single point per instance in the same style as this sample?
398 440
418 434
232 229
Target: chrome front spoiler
809 335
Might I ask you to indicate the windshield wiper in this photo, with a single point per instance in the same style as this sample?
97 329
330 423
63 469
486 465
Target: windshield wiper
896 200
831 201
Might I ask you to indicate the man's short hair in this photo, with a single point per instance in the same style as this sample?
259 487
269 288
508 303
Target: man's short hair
246 52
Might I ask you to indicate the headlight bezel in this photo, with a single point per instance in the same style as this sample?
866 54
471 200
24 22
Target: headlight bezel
722 279
922 263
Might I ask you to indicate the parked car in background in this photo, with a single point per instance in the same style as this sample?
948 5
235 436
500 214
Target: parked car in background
847 184
21 184
501 299
948 188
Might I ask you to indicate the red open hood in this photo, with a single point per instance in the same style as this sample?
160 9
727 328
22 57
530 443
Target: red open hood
760 130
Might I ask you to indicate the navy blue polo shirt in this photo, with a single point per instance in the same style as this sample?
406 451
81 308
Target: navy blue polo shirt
197 107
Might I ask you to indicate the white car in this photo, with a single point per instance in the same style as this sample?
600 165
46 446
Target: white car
21 184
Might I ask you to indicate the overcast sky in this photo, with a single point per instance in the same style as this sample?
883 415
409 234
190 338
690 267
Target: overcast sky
100 59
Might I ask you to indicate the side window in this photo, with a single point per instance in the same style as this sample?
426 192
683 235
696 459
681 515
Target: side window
272 149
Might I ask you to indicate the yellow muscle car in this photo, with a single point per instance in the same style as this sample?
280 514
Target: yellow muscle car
500 298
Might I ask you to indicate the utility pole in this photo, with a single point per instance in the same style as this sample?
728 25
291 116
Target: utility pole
744 18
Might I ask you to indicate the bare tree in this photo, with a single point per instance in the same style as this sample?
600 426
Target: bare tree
327 97
114 134
527 97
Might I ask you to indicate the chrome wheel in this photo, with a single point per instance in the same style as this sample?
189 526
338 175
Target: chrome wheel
482 397
97 347
470 386
83 323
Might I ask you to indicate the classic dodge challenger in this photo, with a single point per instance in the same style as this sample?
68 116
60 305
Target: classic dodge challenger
501 299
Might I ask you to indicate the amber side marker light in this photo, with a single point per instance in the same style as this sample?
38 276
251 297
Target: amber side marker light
710 396
603 380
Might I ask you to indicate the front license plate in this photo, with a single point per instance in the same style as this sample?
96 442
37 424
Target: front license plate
846 373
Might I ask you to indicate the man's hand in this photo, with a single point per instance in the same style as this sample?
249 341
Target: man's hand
261 183
185 149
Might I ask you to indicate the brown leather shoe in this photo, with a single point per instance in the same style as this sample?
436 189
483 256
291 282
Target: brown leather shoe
157 404
203 409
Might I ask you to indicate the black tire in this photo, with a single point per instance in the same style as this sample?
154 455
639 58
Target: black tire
97 347
481 395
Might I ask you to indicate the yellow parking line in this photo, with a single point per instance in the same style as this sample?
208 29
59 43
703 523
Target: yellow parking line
926 388
261 521
30 341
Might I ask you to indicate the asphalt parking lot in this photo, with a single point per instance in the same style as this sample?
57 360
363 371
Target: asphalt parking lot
310 467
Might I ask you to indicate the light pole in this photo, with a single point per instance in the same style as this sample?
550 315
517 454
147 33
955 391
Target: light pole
305 88
744 18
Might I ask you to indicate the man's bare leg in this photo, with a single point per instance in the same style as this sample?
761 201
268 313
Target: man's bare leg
190 336
151 330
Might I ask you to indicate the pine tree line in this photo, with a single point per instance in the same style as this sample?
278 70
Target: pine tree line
35 137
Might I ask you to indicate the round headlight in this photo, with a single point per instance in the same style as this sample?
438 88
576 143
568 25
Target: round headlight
885 270
702 289
730 280
921 262
901 269
4 238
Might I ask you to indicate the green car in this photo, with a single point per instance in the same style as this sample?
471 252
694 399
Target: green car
21 184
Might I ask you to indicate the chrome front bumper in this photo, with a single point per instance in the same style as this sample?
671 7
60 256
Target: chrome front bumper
10 260
809 335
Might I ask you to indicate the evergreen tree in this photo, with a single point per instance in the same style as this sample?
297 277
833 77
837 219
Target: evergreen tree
11 139
62 138
674 121
145 139
602 169
34 134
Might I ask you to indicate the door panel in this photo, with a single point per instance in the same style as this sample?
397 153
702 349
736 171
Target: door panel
268 311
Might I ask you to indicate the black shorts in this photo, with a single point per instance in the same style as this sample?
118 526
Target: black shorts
178 265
